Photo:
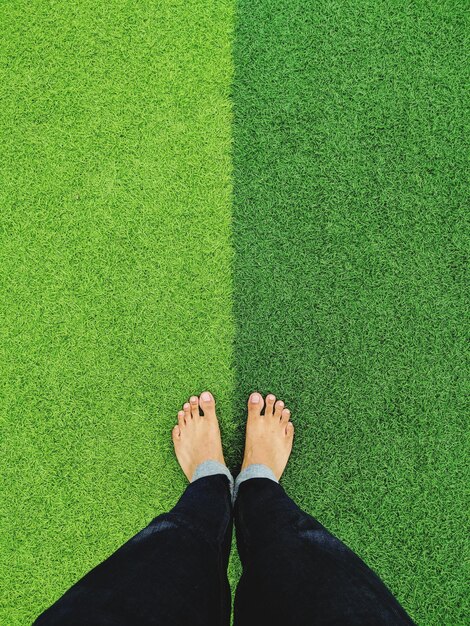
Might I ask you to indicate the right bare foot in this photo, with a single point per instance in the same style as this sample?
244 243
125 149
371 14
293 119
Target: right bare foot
269 436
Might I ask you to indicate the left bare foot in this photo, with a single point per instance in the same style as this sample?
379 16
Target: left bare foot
197 436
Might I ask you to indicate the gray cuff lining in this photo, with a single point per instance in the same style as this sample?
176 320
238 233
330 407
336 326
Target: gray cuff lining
211 468
257 470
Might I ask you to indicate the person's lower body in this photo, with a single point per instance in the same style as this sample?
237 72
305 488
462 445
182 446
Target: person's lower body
174 572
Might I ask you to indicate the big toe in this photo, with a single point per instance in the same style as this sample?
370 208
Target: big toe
255 404
207 403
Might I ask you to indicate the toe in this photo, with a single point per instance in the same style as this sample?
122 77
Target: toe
285 415
181 421
207 404
289 429
187 412
270 400
194 402
278 409
176 433
255 404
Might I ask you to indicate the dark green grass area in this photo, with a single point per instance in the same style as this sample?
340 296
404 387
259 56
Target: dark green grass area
349 216
115 270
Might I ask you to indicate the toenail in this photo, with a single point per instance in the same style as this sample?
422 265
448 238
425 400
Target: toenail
206 396
271 397
181 413
255 398
193 399
186 406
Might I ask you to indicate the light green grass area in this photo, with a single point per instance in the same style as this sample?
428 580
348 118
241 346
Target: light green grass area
115 303
351 249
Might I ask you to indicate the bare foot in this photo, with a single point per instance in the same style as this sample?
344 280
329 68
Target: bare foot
197 436
269 436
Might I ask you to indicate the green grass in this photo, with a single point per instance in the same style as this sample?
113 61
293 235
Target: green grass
115 131
333 276
349 199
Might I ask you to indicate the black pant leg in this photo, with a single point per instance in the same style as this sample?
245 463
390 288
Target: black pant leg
172 573
295 573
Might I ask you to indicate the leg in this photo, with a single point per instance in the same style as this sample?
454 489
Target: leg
173 571
294 570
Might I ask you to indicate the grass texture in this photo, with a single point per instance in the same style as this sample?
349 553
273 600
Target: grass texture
127 284
350 257
115 269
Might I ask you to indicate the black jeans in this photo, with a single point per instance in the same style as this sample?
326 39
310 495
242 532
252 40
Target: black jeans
174 572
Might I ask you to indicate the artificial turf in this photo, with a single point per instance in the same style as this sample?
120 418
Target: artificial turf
350 256
137 267
115 269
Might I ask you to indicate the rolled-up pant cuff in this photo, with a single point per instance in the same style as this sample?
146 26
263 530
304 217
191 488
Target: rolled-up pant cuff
256 470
